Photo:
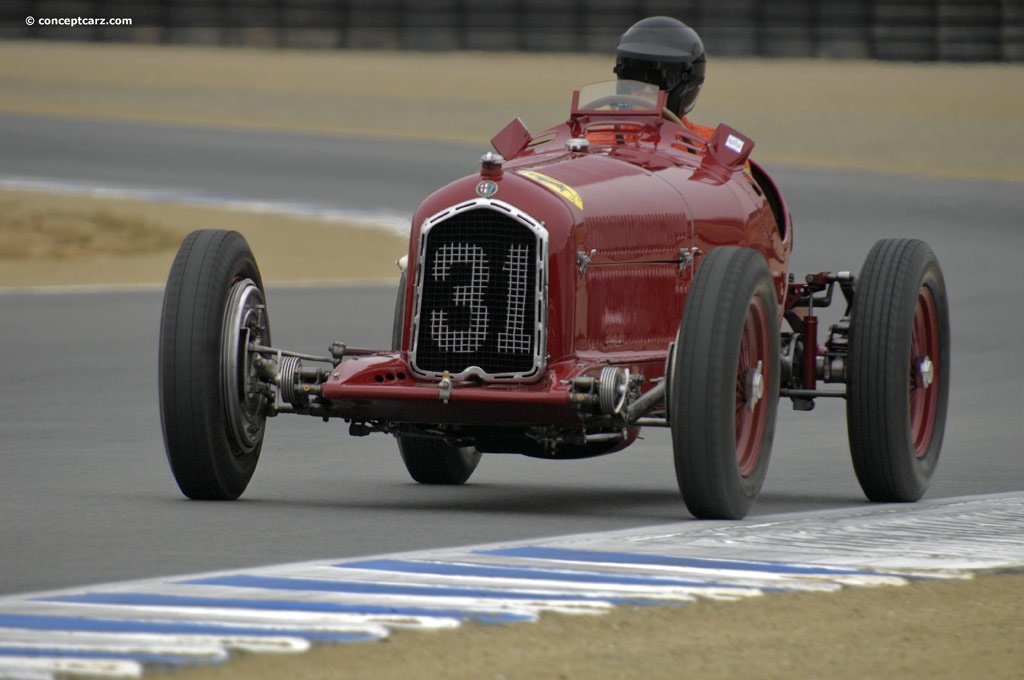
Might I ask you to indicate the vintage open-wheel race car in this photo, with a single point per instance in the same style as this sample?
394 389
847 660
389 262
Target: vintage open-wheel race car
615 272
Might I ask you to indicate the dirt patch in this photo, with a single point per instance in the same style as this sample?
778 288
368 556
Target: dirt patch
58 240
45 231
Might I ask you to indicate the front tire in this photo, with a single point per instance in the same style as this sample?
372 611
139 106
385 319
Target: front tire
725 384
433 461
430 461
213 423
898 381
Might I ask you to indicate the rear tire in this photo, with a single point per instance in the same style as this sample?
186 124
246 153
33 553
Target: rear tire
213 425
898 370
725 384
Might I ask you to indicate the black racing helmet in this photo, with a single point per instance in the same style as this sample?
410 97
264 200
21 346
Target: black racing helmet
665 52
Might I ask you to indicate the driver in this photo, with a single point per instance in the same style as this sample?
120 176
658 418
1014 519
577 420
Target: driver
668 54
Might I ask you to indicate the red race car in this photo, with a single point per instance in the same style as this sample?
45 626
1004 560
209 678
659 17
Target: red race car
612 273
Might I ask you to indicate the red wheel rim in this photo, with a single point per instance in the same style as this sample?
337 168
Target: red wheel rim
752 380
924 372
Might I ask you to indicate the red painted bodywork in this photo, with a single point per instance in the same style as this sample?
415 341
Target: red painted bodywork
653 195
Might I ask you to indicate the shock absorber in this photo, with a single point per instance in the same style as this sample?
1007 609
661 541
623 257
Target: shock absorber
810 358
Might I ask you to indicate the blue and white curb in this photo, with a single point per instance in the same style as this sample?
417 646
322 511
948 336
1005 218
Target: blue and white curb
118 630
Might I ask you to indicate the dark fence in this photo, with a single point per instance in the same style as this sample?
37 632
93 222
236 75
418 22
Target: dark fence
915 30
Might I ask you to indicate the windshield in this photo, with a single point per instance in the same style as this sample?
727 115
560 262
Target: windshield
618 96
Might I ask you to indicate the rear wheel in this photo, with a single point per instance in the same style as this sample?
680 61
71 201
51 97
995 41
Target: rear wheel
725 384
213 421
898 370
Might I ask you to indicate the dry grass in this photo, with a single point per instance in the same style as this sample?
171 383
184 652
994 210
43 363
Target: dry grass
46 232
63 240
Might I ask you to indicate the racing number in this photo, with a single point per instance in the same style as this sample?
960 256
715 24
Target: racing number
514 338
472 297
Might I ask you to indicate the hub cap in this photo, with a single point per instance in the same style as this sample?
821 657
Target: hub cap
755 385
751 382
245 321
924 372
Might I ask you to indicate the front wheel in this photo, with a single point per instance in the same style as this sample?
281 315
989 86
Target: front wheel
434 461
212 413
898 370
430 461
724 389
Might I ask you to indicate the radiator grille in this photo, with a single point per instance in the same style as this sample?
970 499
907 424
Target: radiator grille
480 295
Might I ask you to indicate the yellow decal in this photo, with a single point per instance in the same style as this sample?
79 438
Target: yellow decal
560 188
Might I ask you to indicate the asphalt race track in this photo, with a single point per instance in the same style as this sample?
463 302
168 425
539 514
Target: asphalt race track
355 173
85 493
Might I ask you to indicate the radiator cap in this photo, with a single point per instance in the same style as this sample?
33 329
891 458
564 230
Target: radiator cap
490 165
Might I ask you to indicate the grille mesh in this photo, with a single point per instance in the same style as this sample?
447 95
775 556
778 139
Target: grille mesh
478 296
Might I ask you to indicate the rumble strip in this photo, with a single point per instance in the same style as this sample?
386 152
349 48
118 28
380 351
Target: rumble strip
117 630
